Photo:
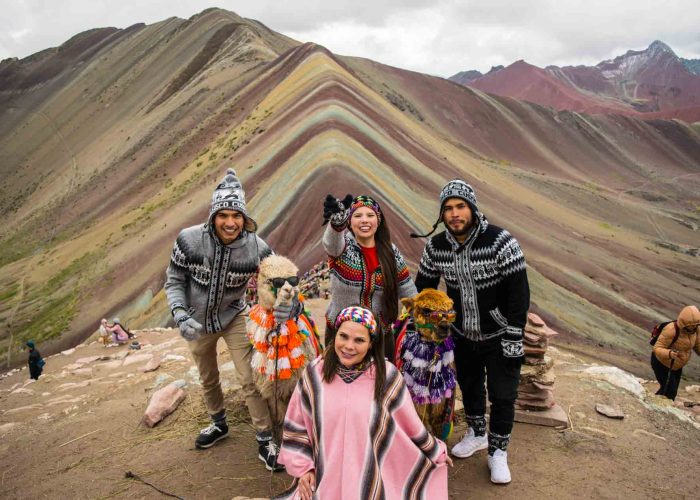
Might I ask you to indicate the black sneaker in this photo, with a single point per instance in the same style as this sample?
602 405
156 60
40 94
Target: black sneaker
267 452
210 435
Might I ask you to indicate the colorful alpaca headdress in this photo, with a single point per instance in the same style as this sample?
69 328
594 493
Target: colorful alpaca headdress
366 201
358 315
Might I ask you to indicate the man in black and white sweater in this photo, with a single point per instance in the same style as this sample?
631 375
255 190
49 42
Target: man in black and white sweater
484 272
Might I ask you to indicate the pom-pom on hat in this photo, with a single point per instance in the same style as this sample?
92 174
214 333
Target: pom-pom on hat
358 315
229 195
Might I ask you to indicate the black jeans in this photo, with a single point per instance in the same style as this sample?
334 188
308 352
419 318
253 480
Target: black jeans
661 372
479 362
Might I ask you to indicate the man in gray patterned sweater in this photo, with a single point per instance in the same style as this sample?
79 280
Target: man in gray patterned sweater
484 272
206 281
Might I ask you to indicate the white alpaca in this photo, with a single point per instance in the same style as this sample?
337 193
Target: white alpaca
281 351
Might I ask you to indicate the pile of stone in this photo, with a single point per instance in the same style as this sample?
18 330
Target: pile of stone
536 389
315 283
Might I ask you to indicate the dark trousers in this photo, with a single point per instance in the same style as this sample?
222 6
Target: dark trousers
661 372
35 371
481 365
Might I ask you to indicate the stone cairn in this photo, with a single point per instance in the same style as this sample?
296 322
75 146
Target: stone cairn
536 389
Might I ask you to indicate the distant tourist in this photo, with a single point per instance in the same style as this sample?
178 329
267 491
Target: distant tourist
206 283
105 334
120 335
366 268
484 271
351 430
672 350
35 361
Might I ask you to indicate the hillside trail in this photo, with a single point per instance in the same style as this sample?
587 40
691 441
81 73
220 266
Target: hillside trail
76 432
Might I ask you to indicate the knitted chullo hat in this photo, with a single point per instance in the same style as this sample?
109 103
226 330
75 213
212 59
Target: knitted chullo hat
358 315
456 188
366 201
229 195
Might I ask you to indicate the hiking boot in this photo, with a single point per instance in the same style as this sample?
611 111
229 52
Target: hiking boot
210 435
498 463
470 444
267 452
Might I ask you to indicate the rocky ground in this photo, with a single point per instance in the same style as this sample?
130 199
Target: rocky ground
76 432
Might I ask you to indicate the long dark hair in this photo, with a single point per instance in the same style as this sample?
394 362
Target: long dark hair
385 254
387 261
375 352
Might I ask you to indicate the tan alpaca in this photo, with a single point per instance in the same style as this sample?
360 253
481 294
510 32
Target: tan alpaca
425 357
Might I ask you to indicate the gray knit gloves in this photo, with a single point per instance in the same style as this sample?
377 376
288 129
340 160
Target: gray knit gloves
336 211
190 329
284 312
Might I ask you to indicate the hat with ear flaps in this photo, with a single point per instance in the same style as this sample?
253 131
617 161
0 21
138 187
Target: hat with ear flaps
229 195
456 188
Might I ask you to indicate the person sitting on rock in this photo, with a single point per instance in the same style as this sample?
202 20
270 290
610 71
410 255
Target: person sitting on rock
36 362
119 334
672 350
119 327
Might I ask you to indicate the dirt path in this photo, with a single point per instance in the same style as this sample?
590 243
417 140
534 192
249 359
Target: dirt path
76 432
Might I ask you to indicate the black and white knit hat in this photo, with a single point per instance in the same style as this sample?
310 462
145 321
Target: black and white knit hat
456 188
229 195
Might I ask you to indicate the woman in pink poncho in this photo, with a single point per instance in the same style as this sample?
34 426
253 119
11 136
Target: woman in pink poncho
351 430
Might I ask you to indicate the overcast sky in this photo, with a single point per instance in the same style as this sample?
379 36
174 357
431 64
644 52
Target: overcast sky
440 37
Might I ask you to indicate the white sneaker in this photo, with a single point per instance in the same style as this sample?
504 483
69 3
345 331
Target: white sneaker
470 444
498 463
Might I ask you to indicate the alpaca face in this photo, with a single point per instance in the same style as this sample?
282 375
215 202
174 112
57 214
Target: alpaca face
432 312
276 270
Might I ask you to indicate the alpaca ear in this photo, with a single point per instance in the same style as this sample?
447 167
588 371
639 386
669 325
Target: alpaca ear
408 303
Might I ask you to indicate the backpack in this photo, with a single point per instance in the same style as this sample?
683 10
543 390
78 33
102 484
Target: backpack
656 331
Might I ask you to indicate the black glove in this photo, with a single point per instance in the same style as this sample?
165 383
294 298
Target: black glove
336 211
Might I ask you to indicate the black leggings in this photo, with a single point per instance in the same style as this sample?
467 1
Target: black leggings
661 372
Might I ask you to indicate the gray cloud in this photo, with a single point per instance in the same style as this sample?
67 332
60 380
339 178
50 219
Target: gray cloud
440 37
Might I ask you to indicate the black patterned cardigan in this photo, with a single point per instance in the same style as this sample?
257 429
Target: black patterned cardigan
487 280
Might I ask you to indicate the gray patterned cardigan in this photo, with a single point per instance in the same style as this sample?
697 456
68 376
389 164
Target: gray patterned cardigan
209 279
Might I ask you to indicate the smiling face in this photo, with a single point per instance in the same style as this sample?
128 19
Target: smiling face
364 223
228 224
352 343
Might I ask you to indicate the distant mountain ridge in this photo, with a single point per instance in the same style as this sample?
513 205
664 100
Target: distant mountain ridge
651 83
693 65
